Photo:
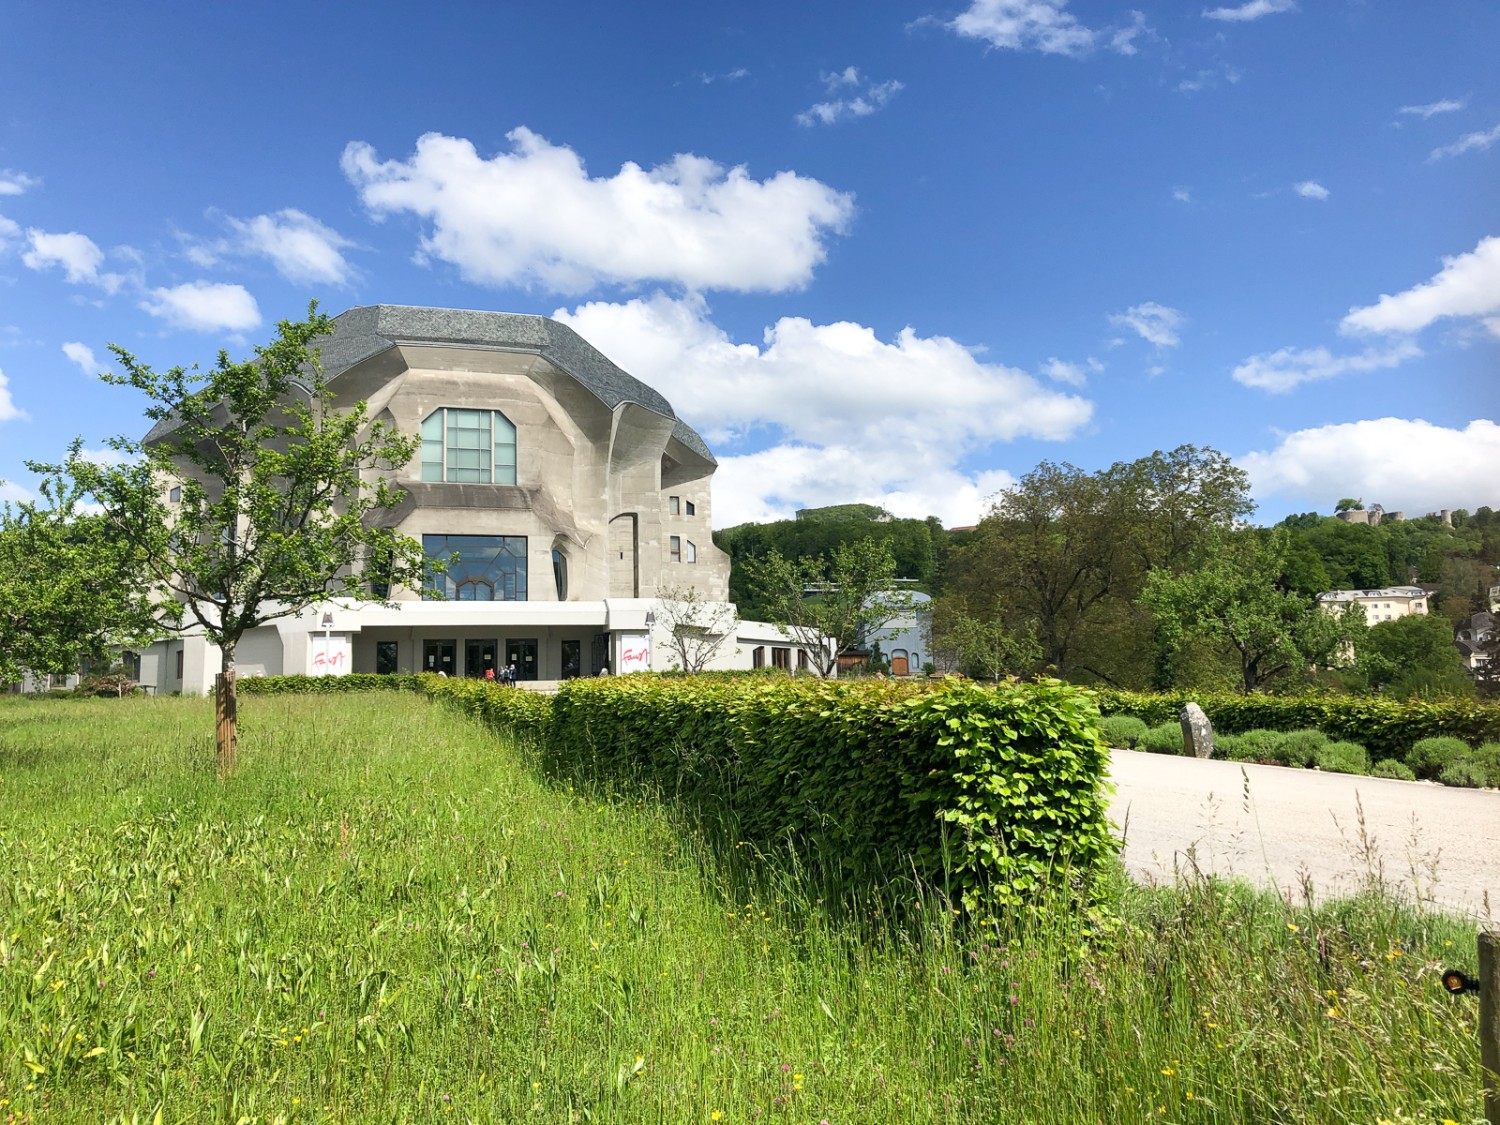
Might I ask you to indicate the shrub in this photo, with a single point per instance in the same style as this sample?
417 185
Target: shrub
1299 747
1252 746
1343 757
1163 739
1227 746
1463 773
1391 768
1123 730
1487 758
1430 756
324 685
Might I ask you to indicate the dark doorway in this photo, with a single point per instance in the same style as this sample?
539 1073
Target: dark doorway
479 658
438 656
572 659
387 657
523 655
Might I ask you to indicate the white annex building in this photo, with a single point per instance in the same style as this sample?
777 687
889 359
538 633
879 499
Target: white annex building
569 491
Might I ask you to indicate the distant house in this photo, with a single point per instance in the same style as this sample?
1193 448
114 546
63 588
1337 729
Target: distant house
902 639
1386 604
1473 635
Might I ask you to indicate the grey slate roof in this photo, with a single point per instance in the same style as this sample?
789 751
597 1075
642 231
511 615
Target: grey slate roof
368 330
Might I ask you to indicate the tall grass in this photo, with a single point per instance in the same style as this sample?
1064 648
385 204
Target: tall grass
386 915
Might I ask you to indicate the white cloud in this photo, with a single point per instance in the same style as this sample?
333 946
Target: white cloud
9 411
1406 464
1026 25
534 216
16 183
1122 40
1432 109
913 407
1182 194
10 231
1282 370
1469 142
731 76
77 254
302 249
1468 285
83 356
1156 324
1252 10
205 306
1208 79
106 456
1073 374
872 96
15 494
1311 189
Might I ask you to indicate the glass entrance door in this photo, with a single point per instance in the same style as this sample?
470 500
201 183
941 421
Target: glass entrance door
572 659
438 656
479 658
523 655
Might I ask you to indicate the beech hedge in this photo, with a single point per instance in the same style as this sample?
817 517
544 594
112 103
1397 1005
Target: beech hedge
995 793
1388 728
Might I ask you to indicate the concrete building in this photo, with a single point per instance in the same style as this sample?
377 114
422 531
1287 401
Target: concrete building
565 494
1385 604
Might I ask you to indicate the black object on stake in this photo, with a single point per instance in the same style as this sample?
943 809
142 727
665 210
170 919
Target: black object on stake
1457 982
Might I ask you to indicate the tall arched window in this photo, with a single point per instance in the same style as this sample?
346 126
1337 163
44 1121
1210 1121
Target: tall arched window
468 446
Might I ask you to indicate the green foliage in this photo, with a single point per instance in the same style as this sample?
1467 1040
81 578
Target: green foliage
1462 773
1413 656
1299 747
995 793
844 513
1164 738
327 685
1122 730
1393 769
1428 757
1343 757
1249 746
1388 728
981 644
1487 758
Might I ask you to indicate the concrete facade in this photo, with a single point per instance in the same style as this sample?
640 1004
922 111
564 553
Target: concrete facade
1385 604
564 557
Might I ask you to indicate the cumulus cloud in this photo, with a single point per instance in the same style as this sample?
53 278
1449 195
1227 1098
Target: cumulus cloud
1468 285
78 255
1252 10
1311 189
912 407
302 249
14 494
1469 142
83 356
1406 463
1432 109
1280 371
1122 39
534 215
205 306
1026 25
10 231
16 183
8 408
1156 324
855 96
1073 374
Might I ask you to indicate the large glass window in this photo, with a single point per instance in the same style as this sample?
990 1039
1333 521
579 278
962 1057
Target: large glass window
481 568
468 446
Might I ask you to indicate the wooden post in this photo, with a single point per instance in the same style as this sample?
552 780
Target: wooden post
1489 1021
224 713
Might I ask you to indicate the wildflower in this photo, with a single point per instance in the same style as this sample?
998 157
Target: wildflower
1333 1013
1168 1071
716 1115
1293 927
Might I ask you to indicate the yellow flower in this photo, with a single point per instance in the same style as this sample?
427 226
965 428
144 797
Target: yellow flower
716 1115
1294 928
1168 1071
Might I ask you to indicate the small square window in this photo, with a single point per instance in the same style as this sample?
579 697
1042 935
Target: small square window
692 509
175 495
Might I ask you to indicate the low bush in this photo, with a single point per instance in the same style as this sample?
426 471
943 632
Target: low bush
1123 730
1342 757
1430 756
1487 758
1298 748
1163 739
1463 773
324 685
1252 746
1393 769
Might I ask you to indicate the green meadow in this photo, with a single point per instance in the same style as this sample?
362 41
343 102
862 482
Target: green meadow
390 914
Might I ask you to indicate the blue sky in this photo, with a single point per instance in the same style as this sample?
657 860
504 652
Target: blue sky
895 252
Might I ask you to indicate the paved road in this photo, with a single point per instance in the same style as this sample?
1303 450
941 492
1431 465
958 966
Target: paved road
1267 824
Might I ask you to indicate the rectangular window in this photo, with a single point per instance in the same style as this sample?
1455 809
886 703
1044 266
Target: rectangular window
672 505
692 509
692 551
179 664
386 653
781 658
175 495
468 447
676 548
481 568
758 656
802 660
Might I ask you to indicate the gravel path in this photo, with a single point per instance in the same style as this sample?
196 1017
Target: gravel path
1271 825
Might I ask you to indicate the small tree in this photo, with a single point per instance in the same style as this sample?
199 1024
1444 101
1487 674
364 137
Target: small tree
68 588
982 645
697 628
1237 595
826 604
276 487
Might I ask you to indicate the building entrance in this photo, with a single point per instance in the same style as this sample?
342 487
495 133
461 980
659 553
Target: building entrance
479 658
437 656
522 654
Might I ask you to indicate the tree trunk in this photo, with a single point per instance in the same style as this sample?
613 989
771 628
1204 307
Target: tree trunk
226 706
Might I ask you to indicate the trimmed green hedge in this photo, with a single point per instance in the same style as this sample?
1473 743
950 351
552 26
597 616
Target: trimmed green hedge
999 789
1387 728
324 685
